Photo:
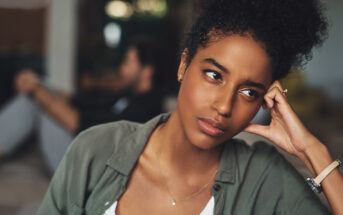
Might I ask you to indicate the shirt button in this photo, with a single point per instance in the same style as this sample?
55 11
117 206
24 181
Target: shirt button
217 187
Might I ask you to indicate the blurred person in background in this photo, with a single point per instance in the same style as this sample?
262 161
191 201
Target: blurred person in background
56 119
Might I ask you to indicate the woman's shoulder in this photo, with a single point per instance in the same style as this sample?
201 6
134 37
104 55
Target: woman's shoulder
103 138
257 150
264 160
113 142
108 130
262 168
94 148
260 156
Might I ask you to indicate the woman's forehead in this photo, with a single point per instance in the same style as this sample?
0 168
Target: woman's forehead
237 54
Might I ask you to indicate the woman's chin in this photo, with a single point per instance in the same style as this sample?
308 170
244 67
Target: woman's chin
206 142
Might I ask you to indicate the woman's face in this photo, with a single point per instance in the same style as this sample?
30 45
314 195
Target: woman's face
222 89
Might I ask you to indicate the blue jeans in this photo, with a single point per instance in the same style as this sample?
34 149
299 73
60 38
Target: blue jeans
20 118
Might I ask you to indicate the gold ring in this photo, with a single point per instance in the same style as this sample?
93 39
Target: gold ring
284 91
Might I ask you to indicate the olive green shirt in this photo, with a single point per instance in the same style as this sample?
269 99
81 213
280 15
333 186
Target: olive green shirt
250 180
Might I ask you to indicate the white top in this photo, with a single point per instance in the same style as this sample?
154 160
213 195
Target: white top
208 210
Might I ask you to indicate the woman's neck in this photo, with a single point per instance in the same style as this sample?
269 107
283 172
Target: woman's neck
178 153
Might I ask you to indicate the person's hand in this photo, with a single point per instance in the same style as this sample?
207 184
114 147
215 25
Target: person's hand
26 81
286 130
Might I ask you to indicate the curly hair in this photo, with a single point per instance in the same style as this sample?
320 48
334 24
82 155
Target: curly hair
287 29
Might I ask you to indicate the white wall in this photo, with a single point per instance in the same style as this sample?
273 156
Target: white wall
61 26
326 68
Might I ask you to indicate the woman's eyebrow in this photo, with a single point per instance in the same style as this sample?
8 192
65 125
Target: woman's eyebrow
254 84
215 63
221 67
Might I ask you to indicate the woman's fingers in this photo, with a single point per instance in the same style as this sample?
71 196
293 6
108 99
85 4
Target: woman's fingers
276 84
261 130
275 100
272 96
275 94
269 103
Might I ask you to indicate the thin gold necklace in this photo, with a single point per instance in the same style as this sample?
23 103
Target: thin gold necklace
174 200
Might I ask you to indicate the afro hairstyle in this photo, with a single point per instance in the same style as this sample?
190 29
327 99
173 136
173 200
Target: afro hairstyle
287 29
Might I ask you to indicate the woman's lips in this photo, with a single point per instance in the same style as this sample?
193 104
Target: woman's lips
210 127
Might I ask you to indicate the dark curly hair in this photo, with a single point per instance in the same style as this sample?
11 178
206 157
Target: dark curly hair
287 29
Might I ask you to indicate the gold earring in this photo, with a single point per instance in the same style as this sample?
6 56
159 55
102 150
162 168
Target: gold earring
179 78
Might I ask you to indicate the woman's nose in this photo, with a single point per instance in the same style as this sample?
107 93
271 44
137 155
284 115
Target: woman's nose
224 103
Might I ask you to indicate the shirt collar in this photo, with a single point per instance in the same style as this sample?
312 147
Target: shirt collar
126 154
227 164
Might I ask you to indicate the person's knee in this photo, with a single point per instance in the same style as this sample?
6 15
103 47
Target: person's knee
23 98
19 100
23 101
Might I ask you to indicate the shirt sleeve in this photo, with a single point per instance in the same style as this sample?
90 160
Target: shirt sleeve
306 205
276 187
57 199
297 197
79 172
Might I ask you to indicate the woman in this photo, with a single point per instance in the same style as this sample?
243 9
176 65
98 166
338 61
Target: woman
186 162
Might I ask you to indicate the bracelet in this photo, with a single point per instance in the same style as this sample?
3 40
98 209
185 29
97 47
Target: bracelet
314 183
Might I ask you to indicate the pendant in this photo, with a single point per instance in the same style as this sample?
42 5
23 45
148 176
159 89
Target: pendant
173 203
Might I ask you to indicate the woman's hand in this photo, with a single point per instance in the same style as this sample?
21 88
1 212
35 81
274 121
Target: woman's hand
286 130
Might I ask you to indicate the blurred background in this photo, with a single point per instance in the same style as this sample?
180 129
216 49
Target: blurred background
77 47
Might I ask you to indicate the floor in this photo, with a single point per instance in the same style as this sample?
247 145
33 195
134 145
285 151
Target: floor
23 182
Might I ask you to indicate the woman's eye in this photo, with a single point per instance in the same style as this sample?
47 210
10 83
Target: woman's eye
250 93
213 74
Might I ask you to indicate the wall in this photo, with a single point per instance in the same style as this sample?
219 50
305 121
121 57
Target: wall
61 44
326 68
22 31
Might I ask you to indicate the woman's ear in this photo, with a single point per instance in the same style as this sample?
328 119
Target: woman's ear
182 66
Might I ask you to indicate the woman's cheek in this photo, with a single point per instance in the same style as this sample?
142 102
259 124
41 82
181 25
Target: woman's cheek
245 112
196 94
199 96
